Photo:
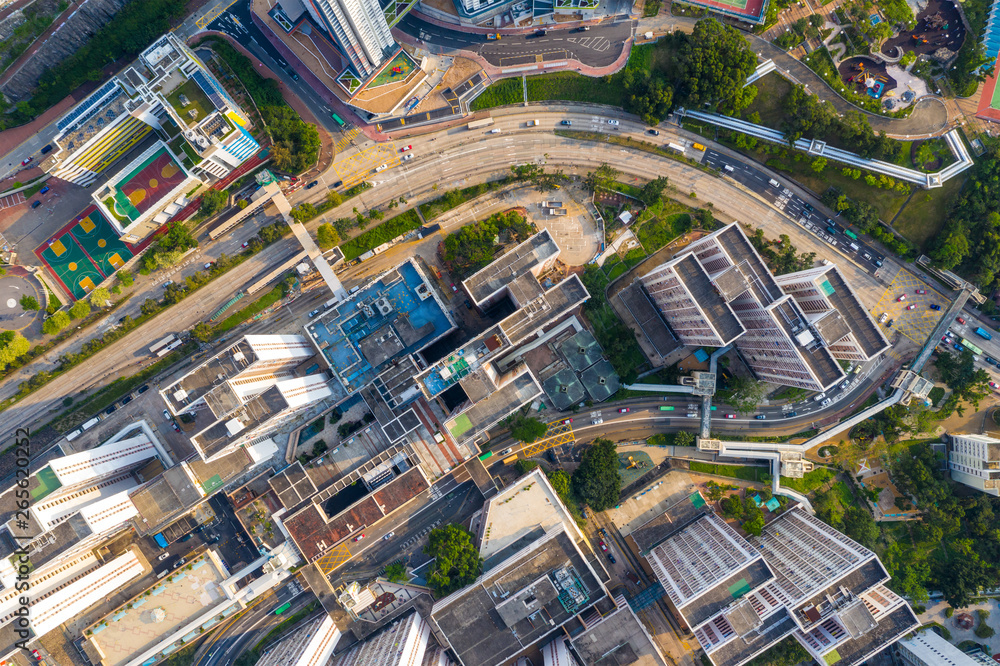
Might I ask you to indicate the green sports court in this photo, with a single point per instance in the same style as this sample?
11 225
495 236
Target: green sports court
99 240
70 265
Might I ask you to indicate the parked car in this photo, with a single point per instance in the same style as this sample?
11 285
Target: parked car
506 452
604 546
901 298
388 536
36 204
407 157
921 291
845 384
944 338
314 313
26 161
885 315
958 347
612 558
127 399
44 190
163 556
454 288
208 265
110 410
245 244
405 148
143 389
46 149
890 323
994 385
359 537
176 427
179 562
166 414
184 538
911 306
653 132
935 306
567 421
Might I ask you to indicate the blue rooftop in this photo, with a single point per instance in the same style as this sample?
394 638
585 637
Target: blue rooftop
397 315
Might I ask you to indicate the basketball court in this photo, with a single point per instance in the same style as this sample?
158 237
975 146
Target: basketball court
68 262
149 182
99 240
746 10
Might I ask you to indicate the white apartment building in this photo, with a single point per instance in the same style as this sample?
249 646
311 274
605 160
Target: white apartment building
402 643
244 390
975 461
800 577
166 89
719 291
310 645
360 30
927 648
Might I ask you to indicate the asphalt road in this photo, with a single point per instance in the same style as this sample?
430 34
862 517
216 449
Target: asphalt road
241 635
598 47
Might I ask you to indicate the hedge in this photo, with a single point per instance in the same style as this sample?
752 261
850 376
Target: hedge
383 233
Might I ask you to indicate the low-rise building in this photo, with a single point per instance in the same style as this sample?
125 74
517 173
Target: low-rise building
927 648
975 461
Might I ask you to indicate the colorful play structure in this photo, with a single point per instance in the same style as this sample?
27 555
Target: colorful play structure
874 84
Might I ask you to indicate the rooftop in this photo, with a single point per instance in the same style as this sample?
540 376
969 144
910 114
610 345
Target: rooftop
676 517
889 629
292 485
821 363
398 314
739 650
519 390
564 389
867 333
705 294
601 380
527 257
547 308
618 639
742 253
582 350
518 602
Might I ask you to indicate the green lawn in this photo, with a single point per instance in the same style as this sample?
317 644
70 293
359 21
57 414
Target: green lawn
925 214
755 474
810 482
771 92
197 100
657 232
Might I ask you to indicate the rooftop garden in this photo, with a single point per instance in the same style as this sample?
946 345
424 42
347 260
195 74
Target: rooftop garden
196 99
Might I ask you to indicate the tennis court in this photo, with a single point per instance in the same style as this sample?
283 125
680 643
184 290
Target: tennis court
68 263
146 184
99 240
747 10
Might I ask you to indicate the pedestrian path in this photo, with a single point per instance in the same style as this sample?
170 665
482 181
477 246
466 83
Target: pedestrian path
11 200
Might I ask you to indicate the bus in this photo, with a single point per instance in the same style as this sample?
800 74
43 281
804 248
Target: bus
162 343
486 456
169 348
282 608
477 124
850 234
666 409
971 347
338 120
510 460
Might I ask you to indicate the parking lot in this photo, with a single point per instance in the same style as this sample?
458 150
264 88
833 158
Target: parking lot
916 323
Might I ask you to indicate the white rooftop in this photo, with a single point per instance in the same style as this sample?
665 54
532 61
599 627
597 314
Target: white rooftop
279 347
110 512
304 390
102 461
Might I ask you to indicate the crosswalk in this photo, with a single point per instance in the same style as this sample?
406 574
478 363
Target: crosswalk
345 140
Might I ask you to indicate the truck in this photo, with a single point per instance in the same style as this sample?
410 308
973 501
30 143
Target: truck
91 423
552 204
330 303
557 211
160 540
676 148
981 332
478 124
493 35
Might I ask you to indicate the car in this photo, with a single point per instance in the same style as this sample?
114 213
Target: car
826 402
214 539
960 320
186 537
819 397
603 532
730 416
623 410
845 384
381 167
567 123
597 422
143 389
653 132
603 545
312 184
127 399
44 190
208 265
454 288
582 28
174 425
944 338
314 313
245 244
46 149
957 347
163 556
468 305
567 421
921 291
911 306
890 323
506 452
407 157
179 562
359 537
935 306
901 298
950 334
612 558
405 148
760 417
885 315
791 414
26 161
36 654
337 184
36 204
388 536
166 414
110 410
613 122
994 385
540 33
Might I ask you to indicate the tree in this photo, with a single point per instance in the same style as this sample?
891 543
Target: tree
55 323
732 507
212 202
326 236
602 178
13 345
79 310
525 429
596 480
818 164
745 394
860 526
456 559
334 198
683 438
396 573
100 297
652 192
712 64
281 155
29 303
126 278
202 331
960 579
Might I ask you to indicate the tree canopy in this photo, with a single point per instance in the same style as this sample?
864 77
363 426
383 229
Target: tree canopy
744 394
526 429
212 202
596 480
29 303
456 559
473 246
13 345
55 323
326 236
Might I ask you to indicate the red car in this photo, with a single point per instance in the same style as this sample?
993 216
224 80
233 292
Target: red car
901 298
36 654
603 545
994 385
944 338
454 288
960 320
359 537
623 410
405 148
921 291
176 427
567 421
26 161
911 307
730 416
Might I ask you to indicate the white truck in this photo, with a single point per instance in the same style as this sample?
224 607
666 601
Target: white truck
552 204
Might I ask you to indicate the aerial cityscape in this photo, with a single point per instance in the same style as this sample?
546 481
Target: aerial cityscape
499 332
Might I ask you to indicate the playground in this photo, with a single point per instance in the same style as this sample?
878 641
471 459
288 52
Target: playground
867 77
398 69
84 252
145 185
939 25
751 11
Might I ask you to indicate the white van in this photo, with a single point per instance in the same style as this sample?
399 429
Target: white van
854 246
774 183
495 130
728 168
